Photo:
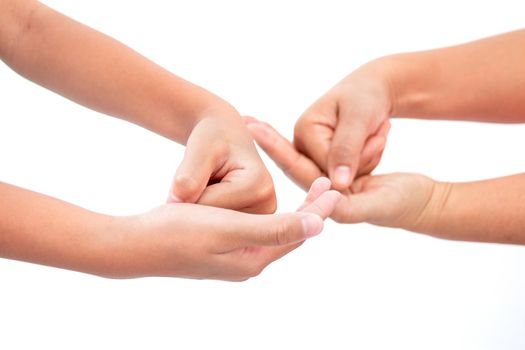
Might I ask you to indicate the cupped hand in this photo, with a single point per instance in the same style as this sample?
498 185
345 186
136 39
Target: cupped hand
394 200
345 131
221 168
197 241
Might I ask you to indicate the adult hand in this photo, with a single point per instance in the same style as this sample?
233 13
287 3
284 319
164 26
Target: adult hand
197 241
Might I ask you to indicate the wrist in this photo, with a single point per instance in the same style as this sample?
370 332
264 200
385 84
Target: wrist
375 77
214 109
411 78
115 240
219 109
139 247
432 214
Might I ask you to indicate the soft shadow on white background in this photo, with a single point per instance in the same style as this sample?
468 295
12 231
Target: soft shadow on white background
358 286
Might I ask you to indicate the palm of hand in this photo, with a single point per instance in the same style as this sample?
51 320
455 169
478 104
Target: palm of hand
198 241
395 200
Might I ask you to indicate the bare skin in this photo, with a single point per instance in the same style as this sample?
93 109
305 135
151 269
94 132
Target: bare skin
177 239
174 240
348 127
103 74
344 131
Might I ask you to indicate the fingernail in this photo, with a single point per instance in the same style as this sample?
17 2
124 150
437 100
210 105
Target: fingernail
342 175
312 225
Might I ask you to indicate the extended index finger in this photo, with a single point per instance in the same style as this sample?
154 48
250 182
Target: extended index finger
295 165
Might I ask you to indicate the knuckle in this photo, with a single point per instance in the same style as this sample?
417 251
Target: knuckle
266 208
265 196
280 234
220 149
342 152
271 205
185 184
302 126
265 191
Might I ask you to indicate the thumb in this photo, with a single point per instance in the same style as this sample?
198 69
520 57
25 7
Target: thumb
295 165
363 207
284 229
199 164
345 151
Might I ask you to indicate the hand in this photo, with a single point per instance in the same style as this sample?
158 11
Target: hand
222 168
196 241
345 131
395 200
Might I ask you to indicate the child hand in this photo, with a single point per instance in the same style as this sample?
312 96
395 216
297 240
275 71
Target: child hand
196 241
395 200
221 168
344 132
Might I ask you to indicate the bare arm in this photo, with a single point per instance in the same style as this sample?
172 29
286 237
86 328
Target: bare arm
483 211
488 211
103 74
43 230
345 130
99 72
483 80
177 240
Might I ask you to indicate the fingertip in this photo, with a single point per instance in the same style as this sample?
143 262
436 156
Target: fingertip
333 197
321 184
257 129
312 225
324 205
185 188
264 135
249 120
341 177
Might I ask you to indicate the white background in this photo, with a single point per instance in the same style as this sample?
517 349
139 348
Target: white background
359 286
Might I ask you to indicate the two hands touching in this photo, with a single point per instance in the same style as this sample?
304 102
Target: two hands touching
217 221
221 198
222 169
344 133
218 243
342 136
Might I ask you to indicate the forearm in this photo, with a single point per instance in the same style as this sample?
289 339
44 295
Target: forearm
101 73
39 229
482 80
483 211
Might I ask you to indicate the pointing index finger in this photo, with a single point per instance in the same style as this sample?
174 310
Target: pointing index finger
295 165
